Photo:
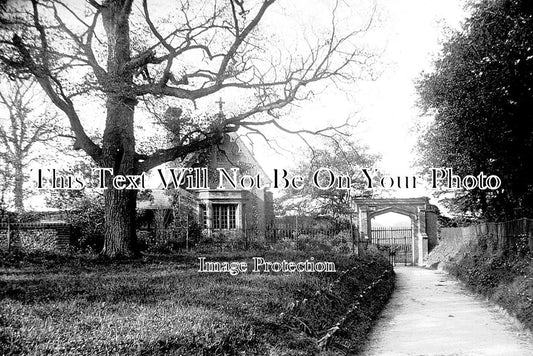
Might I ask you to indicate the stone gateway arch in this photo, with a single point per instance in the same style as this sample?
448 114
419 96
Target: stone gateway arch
423 221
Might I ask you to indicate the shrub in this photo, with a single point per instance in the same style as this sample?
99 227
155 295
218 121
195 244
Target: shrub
171 239
340 243
87 219
504 277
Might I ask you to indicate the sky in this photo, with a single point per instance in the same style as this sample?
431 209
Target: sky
405 35
408 34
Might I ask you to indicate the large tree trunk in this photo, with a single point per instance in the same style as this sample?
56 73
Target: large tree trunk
120 205
118 146
118 151
120 236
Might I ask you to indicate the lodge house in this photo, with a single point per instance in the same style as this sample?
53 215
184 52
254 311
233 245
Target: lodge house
218 210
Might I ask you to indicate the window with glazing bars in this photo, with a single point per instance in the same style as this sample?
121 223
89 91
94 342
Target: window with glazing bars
224 216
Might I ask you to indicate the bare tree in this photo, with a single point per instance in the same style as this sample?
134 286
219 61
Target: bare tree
21 130
5 179
126 56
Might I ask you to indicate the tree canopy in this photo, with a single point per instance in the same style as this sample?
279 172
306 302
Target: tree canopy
123 53
480 94
335 203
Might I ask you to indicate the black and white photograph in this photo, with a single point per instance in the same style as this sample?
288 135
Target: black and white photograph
266 177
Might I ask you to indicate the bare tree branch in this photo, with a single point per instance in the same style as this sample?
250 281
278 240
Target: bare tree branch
50 84
233 59
22 131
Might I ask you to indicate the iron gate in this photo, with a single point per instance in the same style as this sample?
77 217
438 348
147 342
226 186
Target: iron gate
397 241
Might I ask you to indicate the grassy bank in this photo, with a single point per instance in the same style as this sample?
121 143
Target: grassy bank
162 305
505 278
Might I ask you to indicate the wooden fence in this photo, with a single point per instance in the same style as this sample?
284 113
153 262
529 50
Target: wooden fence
510 236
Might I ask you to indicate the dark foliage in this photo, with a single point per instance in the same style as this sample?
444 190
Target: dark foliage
480 93
87 219
333 203
504 277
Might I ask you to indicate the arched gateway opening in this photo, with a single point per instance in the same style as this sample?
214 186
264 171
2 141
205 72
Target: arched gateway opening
393 231
410 243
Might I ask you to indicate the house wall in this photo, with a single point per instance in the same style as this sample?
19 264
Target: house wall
257 204
254 206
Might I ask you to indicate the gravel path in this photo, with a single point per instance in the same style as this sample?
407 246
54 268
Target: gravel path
432 314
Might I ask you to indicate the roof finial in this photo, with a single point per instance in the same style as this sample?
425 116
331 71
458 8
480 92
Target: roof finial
220 104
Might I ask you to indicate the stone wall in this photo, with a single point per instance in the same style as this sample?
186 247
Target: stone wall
35 236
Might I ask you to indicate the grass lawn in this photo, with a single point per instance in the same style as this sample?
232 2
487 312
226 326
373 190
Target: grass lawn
162 305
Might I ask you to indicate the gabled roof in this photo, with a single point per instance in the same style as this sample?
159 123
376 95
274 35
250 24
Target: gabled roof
161 199
191 158
244 147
